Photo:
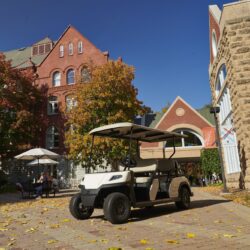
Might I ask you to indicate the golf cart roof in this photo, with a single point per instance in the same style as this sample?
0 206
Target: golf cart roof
127 130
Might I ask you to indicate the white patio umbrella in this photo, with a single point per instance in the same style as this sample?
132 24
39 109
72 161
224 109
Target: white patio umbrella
36 154
42 162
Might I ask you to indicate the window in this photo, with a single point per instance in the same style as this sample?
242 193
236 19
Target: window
221 76
52 137
214 44
70 49
192 140
61 51
52 105
35 50
70 102
80 48
85 75
70 76
56 79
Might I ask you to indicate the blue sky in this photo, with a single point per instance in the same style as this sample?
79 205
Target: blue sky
166 41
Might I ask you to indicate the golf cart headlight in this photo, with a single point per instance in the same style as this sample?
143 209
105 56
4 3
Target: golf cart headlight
115 177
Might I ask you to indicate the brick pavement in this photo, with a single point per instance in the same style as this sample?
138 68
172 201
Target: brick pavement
211 223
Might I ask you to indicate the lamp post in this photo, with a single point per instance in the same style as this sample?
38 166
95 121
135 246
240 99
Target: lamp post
215 111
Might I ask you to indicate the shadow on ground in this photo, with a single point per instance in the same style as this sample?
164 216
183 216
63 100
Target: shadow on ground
157 211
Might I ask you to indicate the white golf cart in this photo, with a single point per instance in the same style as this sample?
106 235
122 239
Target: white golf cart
142 183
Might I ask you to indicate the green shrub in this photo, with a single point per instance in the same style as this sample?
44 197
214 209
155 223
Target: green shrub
210 161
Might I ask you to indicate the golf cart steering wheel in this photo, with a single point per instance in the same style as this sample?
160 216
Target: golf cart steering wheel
128 162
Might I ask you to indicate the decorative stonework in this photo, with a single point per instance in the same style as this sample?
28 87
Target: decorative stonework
234 51
180 112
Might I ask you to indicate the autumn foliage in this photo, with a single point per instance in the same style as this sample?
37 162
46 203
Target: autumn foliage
19 109
109 98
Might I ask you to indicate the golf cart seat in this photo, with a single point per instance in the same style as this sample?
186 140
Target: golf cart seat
144 169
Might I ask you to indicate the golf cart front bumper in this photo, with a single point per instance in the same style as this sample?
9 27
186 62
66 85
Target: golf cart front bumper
88 196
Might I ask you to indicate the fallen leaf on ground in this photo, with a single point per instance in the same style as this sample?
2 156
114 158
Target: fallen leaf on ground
172 241
53 226
4 229
92 241
190 235
104 241
111 248
66 220
52 241
144 242
228 235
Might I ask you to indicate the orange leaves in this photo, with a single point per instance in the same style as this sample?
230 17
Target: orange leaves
109 98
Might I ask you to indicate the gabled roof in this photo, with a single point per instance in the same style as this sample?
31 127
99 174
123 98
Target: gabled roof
203 113
22 58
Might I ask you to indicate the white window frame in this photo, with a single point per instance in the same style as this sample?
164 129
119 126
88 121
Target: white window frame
80 47
71 49
214 44
220 79
85 68
70 83
61 51
53 107
56 79
71 102
181 131
52 137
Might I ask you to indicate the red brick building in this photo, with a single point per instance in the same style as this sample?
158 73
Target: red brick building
58 66
180 117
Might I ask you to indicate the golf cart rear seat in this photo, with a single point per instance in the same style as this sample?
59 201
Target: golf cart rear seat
144 170
149 166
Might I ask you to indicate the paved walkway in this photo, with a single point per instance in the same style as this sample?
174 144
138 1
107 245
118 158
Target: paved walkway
211 223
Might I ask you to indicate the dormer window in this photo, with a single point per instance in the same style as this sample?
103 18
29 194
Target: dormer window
80 47
70 49
41 49
61 51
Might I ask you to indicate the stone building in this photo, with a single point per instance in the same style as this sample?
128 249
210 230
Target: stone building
229 73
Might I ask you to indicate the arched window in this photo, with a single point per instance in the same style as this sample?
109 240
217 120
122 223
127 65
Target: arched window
192 139
70 49
52 137
56 79
221 76
214 44
61 51
80 47
70 102
85 75
52 105
70 76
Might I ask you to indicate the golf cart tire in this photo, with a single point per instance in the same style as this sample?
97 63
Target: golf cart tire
76 210
184 196
117 208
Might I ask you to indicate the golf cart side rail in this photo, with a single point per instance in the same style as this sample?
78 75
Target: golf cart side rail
127 130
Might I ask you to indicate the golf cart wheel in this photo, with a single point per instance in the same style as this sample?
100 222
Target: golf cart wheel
78 210
117 208
184 202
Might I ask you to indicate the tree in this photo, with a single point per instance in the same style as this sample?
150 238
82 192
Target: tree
109 98
19 109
